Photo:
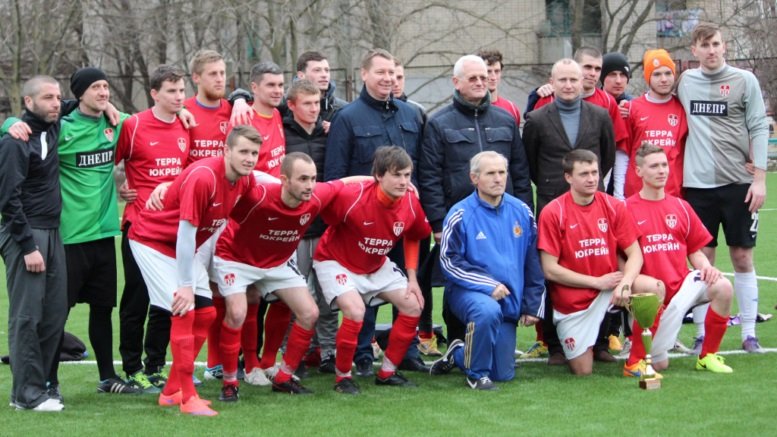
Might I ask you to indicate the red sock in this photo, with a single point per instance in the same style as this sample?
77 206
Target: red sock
203 320
715 327
540 333
345 343
249 337
276 323
214 336
296 345
182 347
229 350
402 332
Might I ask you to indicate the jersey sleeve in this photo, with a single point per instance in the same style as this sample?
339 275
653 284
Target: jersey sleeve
549 238
625 230
698 235
335 211
420 228
124 144
326 191
455 265
248 203
195 195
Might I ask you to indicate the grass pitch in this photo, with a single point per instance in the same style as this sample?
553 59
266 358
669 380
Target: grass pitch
541 400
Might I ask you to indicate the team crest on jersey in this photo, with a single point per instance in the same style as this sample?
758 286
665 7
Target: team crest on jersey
398 228
725 90
304 219
223 127
229 278
671 220
341 278
517 230
602 223
182 144
108 132
569 342
673 120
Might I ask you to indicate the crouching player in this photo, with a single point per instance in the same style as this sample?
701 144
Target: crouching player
365 221
258 247
165 244
580 235
671 234
493 277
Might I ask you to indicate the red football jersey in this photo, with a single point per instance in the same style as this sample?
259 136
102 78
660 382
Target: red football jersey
508 106
663 124
154 152
201 195
585 239
209 136
273 142
362 230
670 231
263 231
603 99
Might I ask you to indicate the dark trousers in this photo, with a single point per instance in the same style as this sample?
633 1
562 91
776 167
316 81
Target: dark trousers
133 308
37 310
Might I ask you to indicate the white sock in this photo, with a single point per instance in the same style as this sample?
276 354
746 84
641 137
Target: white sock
746 290
699 315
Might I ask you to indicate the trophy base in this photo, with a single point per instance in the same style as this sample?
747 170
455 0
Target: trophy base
650 384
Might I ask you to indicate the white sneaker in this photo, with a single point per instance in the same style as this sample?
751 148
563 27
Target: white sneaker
49 405
257 376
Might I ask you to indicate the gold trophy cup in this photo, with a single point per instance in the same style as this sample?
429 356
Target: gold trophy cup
644 308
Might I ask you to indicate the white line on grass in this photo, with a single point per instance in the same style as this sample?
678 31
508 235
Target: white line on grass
761 278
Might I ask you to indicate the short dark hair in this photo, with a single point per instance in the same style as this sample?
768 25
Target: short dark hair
32 86
587 51
302 61
388 158
246 131
302 86
265 67
703 32
287 164
491 57
577 155
375 53
645 149
165 73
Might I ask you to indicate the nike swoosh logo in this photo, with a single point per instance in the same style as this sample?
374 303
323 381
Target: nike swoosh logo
643 118
272 218
368 223
573 226
154 143
217 204
68 138
641 222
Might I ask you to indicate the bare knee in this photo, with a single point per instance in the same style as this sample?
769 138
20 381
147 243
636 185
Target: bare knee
582 365
308 316
741 259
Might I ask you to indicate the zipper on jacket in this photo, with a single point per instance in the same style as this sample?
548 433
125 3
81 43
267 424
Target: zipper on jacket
477 131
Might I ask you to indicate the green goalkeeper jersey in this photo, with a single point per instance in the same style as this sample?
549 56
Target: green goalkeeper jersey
86 154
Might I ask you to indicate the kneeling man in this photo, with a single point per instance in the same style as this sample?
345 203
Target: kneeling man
493 278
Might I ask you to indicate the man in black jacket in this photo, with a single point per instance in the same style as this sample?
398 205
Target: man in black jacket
31 246
452 137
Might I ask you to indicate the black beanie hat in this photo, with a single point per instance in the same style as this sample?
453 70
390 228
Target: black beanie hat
614 62
83 78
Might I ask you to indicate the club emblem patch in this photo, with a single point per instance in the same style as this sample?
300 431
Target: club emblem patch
398 228
304 219
602 223
182 144
671 220
229 278
673 120
725 90
108 134
341 278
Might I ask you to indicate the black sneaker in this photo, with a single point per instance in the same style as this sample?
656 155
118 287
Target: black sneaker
445 364
482 383
54 393
347 386
364 368
229 393
116 385
396 380
413 365
302 371
327 365
291 387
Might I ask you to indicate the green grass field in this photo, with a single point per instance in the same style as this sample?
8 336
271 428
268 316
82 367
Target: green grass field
541 400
